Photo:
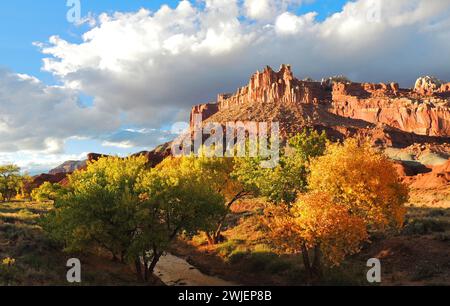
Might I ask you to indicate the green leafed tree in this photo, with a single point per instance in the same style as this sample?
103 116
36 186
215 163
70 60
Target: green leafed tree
290 177
48 192
133 212
215 172
10 181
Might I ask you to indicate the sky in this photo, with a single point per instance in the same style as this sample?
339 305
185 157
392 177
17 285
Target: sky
116 79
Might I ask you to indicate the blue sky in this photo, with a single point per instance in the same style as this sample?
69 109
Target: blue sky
122 89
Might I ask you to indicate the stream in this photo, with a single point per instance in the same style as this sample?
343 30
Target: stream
175 271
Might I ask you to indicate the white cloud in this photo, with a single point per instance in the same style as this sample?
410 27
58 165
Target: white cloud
267 10
288 23
36 162
36 117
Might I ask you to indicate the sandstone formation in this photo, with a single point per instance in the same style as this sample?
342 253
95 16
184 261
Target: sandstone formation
428 86
397 108
338 103
438 177
38 180
281 86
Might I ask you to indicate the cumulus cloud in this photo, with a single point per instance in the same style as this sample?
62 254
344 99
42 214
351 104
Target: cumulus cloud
288 23
37 117
265 10
143 138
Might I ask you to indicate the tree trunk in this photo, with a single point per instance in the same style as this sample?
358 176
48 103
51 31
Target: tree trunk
138 266
317 264
154 262
218 232
210 238
306 262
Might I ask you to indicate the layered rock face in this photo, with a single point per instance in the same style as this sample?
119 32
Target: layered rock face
424 110
405 110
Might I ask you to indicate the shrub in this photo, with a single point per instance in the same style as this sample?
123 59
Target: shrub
48 192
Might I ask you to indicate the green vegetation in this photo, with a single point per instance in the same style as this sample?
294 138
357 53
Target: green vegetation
12 183
305 221
47 192
29 258
282 183
133 212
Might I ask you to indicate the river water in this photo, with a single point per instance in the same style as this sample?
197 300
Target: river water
175 271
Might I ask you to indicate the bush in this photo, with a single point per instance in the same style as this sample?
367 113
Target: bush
48 192
424 226
226 248
238 256
8 271
259 262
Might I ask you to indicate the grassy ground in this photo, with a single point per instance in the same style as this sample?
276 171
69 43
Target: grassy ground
38 261
419 255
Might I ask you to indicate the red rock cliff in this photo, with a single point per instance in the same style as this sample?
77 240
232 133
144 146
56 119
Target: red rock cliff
281 86
424 110
411 112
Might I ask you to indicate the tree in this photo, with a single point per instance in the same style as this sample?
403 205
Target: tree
364 180
10 180
316 223
133 212
101 209
23 186
48 192
352 189
178 199
282 183
214 172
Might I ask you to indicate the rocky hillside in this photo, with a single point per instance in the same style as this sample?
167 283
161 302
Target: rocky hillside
68 166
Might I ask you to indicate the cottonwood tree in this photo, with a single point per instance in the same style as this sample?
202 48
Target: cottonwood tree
133 212
352 189
10 181
315 222
214 172
178 199
364 180
282 184
101 209
48 192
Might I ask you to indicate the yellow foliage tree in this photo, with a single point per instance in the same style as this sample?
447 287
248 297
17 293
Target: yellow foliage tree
364 180
352 188
316 222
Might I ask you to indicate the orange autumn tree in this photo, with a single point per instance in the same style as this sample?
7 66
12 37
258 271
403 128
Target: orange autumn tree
352 189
